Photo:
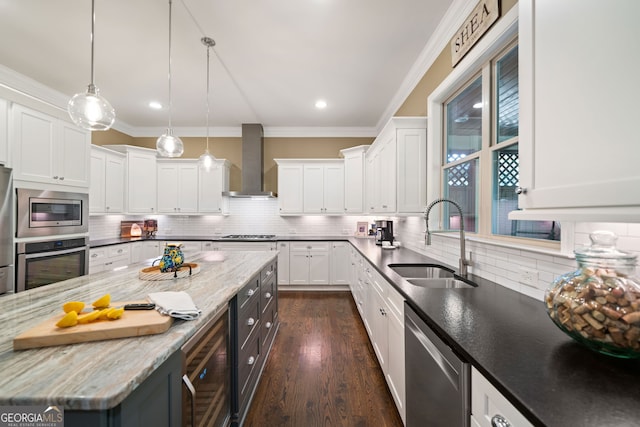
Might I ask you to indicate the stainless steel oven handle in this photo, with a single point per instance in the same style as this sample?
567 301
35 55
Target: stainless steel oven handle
192 392
60 252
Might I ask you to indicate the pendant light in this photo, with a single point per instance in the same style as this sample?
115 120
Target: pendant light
90 110
206 159
167 144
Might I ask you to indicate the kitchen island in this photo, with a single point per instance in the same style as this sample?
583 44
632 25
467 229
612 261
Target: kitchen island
98 376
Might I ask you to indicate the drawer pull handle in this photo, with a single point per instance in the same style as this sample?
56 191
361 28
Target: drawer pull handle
267 295
250 292
192 392
251 360
268 325
94 255
499 421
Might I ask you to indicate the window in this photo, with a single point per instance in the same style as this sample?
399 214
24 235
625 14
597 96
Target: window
481 145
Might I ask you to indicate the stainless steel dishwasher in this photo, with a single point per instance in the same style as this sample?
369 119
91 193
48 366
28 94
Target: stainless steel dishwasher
437 384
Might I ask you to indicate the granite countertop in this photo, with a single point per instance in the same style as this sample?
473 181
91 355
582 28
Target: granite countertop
215 238
99 375
510 339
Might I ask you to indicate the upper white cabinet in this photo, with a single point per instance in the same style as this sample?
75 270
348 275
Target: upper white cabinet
106 190
578 96
49 150
395 168
140 179
177 186
211 184
290 189
4 132
323 187
354 178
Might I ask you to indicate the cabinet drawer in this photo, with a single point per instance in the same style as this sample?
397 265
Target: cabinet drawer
248 320
268 272
309 246
268 292
97 256
248 368
252 288
268 325
487 403
118 251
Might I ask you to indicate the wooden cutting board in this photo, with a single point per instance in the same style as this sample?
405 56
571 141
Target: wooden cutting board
133 323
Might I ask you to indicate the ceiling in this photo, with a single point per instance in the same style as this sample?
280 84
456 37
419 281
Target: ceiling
272 60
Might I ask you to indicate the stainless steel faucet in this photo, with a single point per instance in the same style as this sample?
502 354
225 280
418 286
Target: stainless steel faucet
463 260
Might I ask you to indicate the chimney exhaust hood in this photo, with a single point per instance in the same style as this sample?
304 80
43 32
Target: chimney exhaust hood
252 164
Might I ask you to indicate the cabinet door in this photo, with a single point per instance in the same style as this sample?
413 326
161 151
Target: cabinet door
210 188
72 155
142 183
370 179
97 183
411 167
114 183
34 145
299 268
387 176
340 263
319 268
283 263
333 188
168 186
290 189
188 188
488 404
353 184
313 188
4 132
395 358
578 105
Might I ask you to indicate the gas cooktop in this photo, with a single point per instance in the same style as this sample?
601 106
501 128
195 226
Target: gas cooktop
249 236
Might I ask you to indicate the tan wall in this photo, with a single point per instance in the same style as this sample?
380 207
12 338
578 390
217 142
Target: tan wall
416 102
111 136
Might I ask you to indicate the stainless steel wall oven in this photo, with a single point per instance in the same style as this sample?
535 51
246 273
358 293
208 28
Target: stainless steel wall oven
51 213
41 263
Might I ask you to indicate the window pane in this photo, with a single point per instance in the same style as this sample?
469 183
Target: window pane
464 121
508 96
505 200
461 183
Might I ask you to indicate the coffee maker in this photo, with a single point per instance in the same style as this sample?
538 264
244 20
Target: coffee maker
384 232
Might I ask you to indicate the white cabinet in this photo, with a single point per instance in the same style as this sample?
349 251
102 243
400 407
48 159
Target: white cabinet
309 263
354 178
145 250
323 187
211 184
489 407
4 132
49 150
340 263
177 186
395 168
106 189
290 188
208 245
283 263
246 246
578 105
109 257
140 179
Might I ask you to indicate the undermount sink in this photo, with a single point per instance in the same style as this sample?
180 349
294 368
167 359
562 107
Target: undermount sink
441 283
421 271
430 276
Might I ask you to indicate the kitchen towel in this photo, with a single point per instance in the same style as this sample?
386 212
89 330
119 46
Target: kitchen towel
175 304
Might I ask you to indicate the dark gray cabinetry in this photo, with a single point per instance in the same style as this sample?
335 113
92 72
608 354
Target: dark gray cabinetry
254 322
156 402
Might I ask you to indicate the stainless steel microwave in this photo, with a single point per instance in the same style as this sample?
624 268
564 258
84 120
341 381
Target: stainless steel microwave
51 213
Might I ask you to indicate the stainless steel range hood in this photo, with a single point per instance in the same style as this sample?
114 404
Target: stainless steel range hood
252 164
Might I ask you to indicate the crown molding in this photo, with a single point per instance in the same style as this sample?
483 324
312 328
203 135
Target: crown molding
269 132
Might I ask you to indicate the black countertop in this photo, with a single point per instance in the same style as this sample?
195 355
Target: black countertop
509 338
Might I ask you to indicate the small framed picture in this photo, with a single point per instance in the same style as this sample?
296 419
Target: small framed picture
362 229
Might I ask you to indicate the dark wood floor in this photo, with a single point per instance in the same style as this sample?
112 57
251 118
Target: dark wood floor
322 370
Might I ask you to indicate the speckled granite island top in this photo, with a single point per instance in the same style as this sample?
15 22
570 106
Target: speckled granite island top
100 375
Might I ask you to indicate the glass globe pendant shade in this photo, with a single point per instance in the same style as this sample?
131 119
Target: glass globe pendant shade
206 160
91 111
169 145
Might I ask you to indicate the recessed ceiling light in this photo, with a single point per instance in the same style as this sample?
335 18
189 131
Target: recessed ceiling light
320 104
477 105
155 105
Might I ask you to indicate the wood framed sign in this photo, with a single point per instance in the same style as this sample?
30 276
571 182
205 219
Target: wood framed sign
483 16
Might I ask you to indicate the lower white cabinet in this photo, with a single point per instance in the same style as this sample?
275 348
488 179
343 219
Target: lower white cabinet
144 250
109 257
489 407
339 263
283 263
309 263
